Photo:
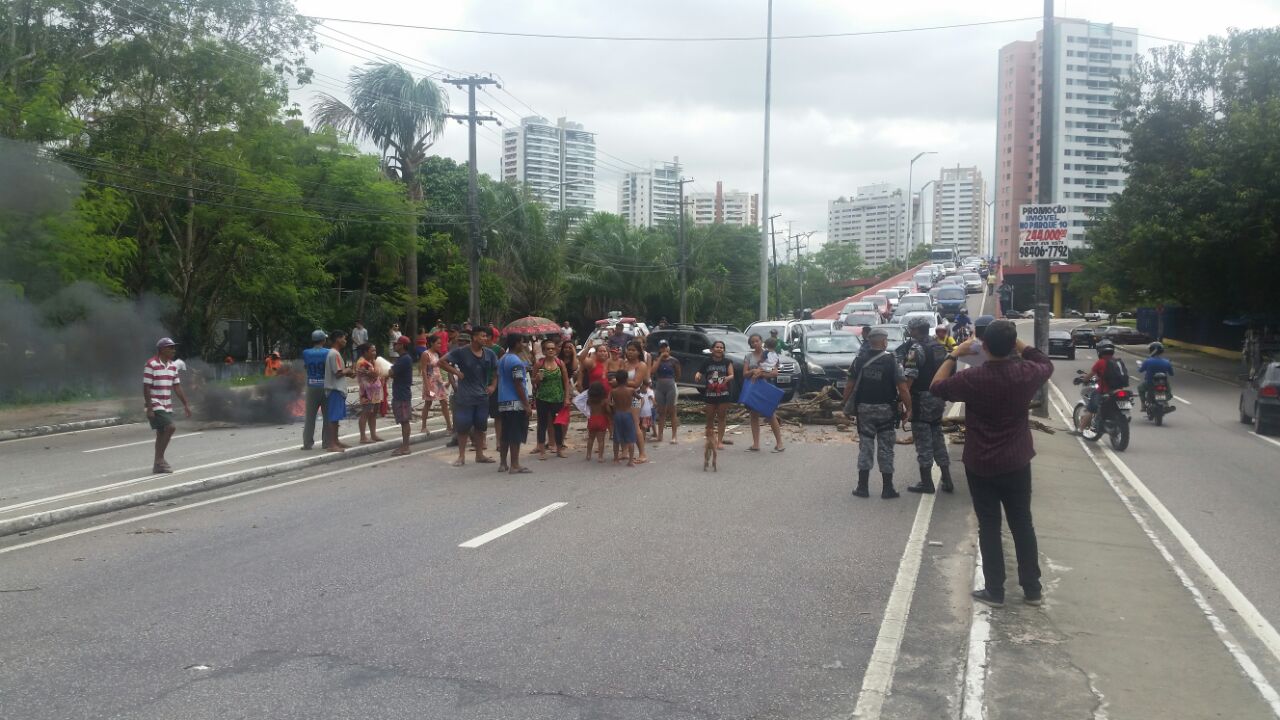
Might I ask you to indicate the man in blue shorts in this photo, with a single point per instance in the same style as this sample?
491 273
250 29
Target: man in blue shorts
335 391
474 366
313 360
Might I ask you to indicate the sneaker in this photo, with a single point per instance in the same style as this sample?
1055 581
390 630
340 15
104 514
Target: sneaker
986 598
1035 600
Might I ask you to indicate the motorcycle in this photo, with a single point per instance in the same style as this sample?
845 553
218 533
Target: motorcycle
1160 399
1112 418
962 333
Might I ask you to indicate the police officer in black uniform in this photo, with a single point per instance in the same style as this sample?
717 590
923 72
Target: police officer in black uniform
921 356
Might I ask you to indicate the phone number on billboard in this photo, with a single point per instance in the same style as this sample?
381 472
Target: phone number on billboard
1041 252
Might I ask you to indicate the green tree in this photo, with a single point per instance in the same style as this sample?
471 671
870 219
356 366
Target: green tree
403 116
918 254
1202 199
839 262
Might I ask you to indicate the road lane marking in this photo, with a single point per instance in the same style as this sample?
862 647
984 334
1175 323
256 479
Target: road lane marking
213 501
516 524
878 678
154 476
973 705
1264 438
1248 613
141 442
1182 400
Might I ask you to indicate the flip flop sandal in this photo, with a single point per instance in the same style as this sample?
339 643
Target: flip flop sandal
752 449
484 460
458 463
778 449
521 471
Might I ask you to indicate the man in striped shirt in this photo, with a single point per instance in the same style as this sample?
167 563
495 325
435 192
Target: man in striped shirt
159 384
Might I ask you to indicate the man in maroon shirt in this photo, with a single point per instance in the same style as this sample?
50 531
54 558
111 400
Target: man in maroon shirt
998 450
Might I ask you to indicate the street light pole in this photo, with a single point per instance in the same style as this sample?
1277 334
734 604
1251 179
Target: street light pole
911 200
764 191
922 222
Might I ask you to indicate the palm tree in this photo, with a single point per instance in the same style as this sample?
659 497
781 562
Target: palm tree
403 117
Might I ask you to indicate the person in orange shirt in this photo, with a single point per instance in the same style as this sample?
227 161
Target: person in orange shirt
273 365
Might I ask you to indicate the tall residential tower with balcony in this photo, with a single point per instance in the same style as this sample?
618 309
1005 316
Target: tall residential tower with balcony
1092 59
959 217
734 207
648 198
874 220
557 163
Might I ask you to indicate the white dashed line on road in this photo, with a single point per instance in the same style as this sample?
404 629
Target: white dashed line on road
516 524
973 705
1264 438
1182 400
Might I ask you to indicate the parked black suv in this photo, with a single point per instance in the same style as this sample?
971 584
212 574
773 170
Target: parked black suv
689 341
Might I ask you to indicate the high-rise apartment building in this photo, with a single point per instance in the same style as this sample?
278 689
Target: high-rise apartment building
557 163
734 207
648 198
1092 59
874 220
959 217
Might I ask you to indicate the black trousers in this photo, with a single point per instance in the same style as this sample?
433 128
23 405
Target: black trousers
1011 490
547 412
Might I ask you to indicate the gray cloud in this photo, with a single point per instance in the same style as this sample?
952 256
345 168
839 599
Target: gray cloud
847 112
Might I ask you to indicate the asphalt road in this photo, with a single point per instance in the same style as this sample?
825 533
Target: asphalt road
660 591
1215 475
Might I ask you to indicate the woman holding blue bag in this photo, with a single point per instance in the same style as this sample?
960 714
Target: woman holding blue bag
761 366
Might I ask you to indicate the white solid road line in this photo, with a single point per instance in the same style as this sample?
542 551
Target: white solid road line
1264 438
1262 630
973 704
516 524
203 503
142 442
884 657
154 476
1182 400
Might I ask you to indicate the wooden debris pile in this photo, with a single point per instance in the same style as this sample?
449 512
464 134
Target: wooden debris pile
825 407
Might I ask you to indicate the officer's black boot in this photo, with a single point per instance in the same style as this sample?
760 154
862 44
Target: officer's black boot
947 485
864 476
888 492
926 481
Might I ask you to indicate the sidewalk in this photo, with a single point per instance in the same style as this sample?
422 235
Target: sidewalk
1208 365
1119 634
24 417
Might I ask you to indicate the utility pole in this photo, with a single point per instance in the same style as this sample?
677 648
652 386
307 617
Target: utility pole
764 191
1048 61
802 243
684 257
473 184
773 243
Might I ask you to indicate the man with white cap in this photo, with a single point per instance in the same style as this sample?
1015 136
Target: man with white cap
159 384
313 361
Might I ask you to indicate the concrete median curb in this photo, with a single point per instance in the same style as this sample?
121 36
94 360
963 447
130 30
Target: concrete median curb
98 507
19 433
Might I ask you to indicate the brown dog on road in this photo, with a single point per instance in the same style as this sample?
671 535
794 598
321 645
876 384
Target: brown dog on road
709 453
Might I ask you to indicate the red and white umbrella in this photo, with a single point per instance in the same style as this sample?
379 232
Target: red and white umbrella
532 325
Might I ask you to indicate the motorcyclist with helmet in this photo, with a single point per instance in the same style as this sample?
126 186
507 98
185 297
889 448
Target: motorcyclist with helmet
1155 363
960 326
1098 372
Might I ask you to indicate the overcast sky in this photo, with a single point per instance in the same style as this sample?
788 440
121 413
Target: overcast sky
846 111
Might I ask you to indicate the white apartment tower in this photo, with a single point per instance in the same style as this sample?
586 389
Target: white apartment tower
557 163
735 207
958 210
874 220
1092 60
648 198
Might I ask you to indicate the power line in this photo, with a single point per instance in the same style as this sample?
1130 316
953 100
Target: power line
653 38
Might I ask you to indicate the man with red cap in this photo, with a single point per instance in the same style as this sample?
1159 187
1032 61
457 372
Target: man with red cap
159 384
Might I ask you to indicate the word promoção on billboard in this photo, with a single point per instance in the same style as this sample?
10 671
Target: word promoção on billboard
1042 232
